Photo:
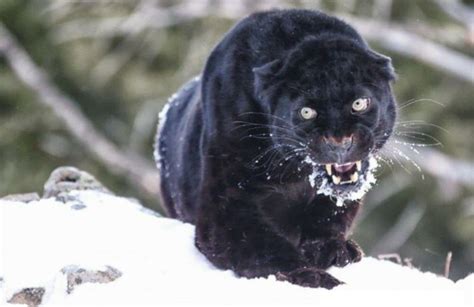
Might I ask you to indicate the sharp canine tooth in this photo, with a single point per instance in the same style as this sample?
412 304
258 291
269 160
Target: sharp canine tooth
359 165
336 179
328 169
354 177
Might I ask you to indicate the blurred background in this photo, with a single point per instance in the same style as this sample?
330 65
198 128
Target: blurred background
82 82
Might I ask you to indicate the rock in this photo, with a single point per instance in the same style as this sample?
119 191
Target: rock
76 276
31 297
24 198
65 179
78 206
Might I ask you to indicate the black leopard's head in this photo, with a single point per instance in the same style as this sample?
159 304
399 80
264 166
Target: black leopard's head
331 106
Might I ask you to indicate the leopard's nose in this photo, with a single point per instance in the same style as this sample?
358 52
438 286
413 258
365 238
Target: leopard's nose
339 144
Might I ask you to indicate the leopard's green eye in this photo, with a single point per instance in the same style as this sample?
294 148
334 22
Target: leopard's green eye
360 105
308 113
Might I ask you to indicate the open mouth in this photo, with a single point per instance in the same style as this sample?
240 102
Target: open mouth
346 181
347 173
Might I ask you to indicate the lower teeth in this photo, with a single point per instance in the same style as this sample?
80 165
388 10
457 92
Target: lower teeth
353 178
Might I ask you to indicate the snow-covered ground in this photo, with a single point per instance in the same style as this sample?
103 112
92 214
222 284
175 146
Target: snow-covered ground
141 258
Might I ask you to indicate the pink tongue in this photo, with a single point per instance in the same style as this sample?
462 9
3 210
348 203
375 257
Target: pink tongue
342 168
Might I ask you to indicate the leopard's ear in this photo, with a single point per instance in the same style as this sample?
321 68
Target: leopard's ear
268 69
384 65
263 75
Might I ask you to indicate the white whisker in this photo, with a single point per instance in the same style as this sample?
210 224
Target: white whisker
413 101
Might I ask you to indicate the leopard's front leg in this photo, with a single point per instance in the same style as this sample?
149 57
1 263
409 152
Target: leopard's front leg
325 253
324 234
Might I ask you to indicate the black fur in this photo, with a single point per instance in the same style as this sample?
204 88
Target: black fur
228 148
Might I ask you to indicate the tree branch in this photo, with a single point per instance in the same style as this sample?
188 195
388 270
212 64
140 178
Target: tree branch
440 165
392 37
396 39
139 172
401 230
460 12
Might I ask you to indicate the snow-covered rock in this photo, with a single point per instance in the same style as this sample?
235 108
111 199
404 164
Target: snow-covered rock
92 248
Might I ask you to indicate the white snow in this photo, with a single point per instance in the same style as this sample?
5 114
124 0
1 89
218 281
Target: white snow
161 266
314 174
161 123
